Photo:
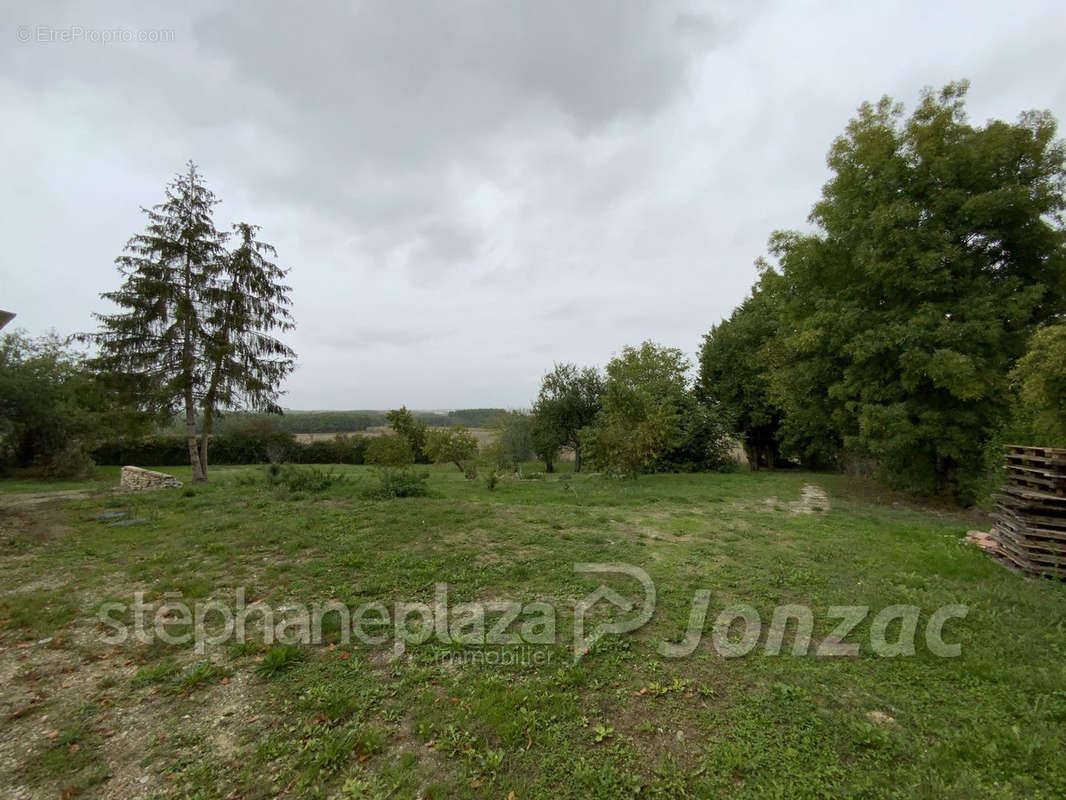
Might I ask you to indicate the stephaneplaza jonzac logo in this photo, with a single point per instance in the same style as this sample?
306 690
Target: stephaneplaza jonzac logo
736 631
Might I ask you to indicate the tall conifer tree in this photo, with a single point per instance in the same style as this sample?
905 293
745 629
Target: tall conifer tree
193 330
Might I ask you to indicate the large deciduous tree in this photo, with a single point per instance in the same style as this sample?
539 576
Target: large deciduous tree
569 400
735 370
1040 381
53 408
939 248
194 330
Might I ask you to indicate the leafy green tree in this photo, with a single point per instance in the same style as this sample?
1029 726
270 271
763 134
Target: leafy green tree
514 439
705 438
411 428
546 440
53 408
194 325
644 389
452 445
1040 380
939 248
389 450
653 420
569 400
735 374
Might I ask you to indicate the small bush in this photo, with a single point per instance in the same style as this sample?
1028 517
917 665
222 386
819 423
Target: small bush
310 479
273 474
399 483
301 479
389 450
73 462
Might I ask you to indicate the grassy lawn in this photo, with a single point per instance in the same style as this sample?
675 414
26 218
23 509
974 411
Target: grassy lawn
353 721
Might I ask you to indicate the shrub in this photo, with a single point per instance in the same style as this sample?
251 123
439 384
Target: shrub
73 462
252 443
704 441
394 482
51 402
226 448
389 450
305 479
514 440
152 451
338 450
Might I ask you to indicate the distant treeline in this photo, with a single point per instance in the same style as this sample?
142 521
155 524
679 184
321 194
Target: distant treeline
345 421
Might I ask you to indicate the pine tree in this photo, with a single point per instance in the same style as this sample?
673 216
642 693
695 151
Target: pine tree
193 333
247 361
157 339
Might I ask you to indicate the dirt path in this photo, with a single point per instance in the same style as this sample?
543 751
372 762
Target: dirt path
28 501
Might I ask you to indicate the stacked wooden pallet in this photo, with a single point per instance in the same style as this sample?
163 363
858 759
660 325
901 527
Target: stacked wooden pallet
1030 518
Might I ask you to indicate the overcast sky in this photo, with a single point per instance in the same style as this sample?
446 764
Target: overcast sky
467 192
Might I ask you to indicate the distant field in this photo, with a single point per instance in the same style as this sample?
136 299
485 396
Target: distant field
484 435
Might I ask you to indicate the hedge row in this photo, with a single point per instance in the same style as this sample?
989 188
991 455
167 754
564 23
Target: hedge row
234 448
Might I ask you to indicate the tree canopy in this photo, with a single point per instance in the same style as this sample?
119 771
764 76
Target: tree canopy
569 401
890 330
651 418
453 445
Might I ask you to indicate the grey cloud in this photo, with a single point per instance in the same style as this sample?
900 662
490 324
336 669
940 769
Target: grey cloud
468 191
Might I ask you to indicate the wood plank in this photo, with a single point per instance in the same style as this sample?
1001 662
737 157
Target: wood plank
1024 448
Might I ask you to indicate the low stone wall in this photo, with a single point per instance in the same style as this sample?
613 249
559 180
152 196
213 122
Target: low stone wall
135 479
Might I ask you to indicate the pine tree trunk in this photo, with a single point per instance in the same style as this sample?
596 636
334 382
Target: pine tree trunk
205 437
187 366
212 389
190 435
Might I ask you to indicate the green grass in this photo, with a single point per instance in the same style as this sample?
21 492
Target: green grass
103 478
158 672
341 720
278 659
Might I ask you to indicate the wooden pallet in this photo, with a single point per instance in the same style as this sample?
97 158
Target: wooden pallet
1030 502
1025 478
1027 565
1051 550
1045 452
1036 524
1030 517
